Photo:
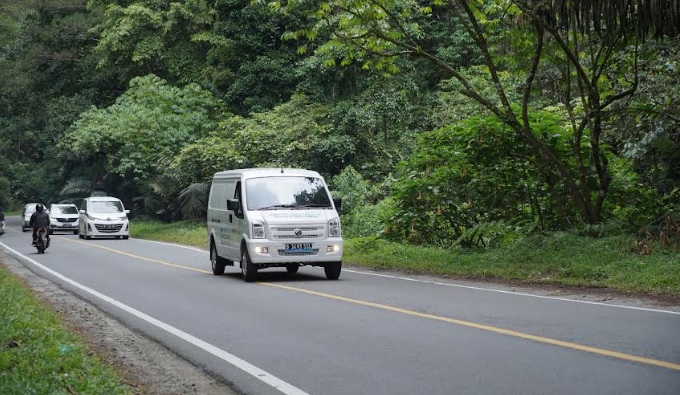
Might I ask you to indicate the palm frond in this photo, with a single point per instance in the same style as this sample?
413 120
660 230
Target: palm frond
193 200
77 187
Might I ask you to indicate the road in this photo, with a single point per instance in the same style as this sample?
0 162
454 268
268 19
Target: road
367 333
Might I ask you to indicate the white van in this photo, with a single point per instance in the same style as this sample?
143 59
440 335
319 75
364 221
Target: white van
103 216
273 218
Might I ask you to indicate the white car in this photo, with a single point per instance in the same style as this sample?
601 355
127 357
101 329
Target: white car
103 216
29 209
63 218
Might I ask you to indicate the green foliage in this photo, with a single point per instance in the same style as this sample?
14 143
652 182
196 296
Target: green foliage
156 37
398 68
39 356
351 187
144 129
188 232
467 182
294 134
360 215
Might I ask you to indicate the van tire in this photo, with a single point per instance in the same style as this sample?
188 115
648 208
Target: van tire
216 262
248 269
332 270
292 268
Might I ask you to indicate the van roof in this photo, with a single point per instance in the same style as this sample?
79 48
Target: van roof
101 198
267 172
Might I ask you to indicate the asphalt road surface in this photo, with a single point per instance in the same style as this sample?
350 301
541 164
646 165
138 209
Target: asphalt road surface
367 333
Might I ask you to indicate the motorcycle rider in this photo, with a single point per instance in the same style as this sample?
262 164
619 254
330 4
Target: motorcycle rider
2 222
39 219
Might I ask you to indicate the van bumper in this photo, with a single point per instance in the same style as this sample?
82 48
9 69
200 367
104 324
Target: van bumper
271 253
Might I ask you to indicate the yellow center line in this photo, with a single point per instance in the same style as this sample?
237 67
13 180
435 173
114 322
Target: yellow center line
540 339
164 263
488 328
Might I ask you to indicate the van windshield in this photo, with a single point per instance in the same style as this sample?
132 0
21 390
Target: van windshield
285 193
105 207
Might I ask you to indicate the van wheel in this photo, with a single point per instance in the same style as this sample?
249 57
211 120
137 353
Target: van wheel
247 268
216 262
332 270
292 268
126 237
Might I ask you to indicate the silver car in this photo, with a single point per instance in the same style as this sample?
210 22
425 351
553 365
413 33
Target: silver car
29 209
63 218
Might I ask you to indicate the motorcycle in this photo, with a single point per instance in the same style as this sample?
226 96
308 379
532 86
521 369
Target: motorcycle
42 241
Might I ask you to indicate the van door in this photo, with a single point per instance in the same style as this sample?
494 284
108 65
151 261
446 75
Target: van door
224 224
235 224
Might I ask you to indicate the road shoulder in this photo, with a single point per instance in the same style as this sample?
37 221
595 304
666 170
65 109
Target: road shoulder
146 366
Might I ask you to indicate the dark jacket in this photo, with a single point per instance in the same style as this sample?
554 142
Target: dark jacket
39 219
2 215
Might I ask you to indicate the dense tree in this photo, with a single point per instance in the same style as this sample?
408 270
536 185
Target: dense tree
294 134
143 131
375 33
564 108
47 77
231 47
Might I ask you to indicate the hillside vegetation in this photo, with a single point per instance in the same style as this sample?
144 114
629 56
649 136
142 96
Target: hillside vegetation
464 127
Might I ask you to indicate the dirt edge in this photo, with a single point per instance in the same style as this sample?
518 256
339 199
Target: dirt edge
144 365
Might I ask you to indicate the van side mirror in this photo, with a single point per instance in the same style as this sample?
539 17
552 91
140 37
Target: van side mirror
235 206
232 205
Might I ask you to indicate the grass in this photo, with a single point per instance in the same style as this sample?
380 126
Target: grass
191 233
558 259
39 356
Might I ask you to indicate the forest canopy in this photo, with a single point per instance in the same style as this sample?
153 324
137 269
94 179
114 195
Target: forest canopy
463 122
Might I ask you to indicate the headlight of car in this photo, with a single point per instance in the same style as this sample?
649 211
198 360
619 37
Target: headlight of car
258 231
334 228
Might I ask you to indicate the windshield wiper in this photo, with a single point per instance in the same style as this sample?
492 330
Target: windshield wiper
315 205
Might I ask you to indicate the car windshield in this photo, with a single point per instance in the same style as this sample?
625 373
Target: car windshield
64 210
107 206
294 192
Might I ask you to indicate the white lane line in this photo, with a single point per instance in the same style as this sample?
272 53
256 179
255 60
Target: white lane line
245 366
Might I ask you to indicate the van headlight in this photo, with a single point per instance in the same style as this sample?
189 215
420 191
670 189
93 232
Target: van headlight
334 228
258 231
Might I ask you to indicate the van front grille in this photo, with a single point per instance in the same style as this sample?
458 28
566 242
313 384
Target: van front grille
288 232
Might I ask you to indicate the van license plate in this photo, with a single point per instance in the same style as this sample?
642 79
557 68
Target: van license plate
299 247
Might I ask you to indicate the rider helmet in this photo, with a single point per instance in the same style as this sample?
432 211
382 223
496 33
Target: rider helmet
39 208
